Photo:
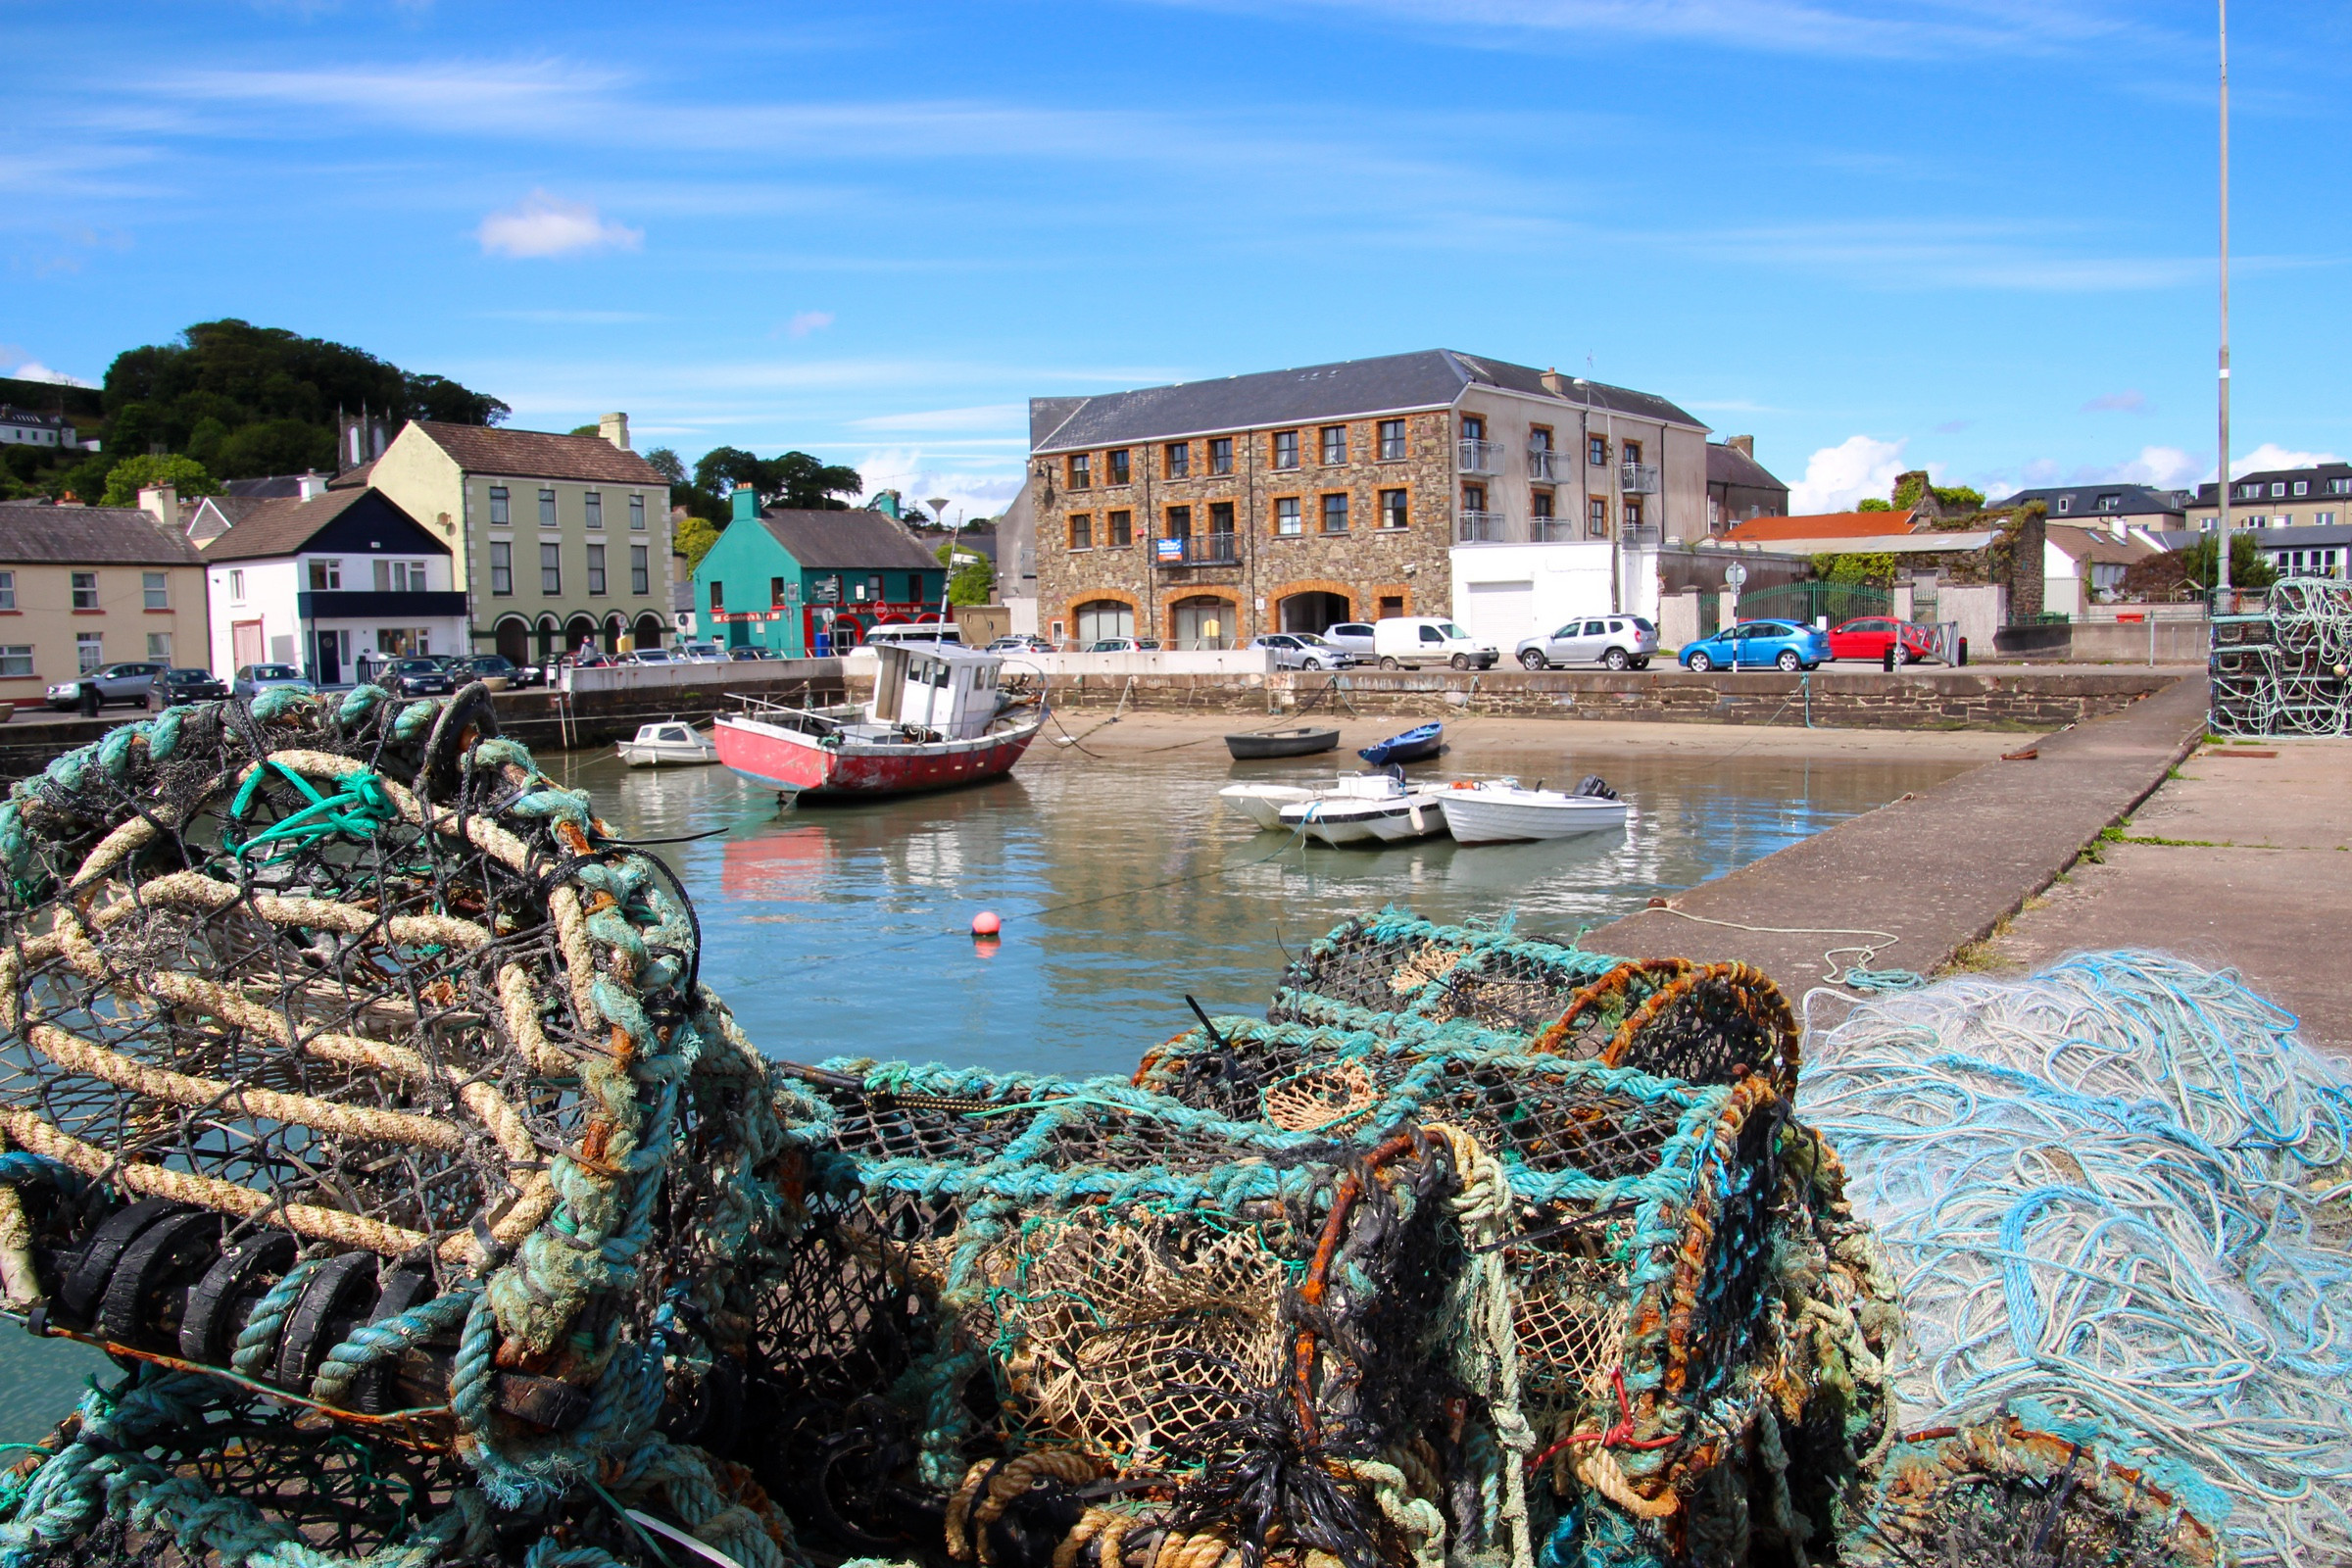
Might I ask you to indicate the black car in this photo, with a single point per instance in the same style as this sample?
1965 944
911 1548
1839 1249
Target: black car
749 655
416 677
174 686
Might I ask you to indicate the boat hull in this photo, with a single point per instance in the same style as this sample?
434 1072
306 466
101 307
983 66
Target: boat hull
637 756
1414 746
1263 803
1281 743
1472 820
797 764
1390 821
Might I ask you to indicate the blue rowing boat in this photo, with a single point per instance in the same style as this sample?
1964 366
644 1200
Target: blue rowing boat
1412 745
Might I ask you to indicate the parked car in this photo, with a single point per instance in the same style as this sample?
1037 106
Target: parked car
748 653
418 676
1405 641
1351 636
702 654
1123 645
116 683
1621 642
1870 636
251 680
652 656
920 633
493 671
1760 645
1303 650
1024 644
170 687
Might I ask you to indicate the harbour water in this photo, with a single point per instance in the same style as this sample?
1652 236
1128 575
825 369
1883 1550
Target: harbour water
1124 886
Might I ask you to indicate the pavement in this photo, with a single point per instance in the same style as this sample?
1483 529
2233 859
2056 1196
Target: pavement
1913 884
2244 859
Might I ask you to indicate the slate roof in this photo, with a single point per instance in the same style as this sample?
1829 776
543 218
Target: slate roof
1819 525
277 485
2319 474
2096 543
1727 465
834 541
538 454
282 525
2132 501
89 536
1429 379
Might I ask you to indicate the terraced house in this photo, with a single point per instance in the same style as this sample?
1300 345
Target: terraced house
1427 483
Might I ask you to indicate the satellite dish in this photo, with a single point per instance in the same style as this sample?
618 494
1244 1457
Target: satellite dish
1734 575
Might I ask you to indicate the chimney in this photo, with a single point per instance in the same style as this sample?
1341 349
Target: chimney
310 485
1744 445
162 502
746 503
614 427
1555 383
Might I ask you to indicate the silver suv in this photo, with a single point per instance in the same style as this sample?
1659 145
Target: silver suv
1303 650
1621 642
1351 636
116 683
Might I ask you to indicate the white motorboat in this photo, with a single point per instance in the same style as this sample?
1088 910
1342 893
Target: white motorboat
668 744
1263 803
1500 811
1367 809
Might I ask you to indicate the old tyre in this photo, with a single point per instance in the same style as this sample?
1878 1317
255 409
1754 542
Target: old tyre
1701 663
1460 660
1616 659
1387 662
1790 661
1533 658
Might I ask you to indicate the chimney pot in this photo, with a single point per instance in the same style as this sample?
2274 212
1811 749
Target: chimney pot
310 485
614 427
1554 384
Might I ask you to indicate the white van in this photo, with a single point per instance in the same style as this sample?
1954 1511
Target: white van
1408 641
922 634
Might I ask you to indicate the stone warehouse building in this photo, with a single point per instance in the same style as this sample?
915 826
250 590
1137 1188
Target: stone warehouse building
1429 483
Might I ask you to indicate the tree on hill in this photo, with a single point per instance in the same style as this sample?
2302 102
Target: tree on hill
128 478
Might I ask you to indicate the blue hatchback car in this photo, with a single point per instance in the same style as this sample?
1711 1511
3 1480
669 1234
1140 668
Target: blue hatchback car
1759 645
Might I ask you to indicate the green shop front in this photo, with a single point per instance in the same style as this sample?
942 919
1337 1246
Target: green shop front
799 582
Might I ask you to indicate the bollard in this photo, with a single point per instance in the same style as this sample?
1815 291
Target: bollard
1963 650
1886 660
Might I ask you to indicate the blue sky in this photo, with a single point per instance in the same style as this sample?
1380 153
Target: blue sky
1969 234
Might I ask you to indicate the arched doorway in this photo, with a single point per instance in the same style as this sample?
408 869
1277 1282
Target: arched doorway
578 632
649 630
1097 618
547 633
1312 611
1201 621
614 629
513 634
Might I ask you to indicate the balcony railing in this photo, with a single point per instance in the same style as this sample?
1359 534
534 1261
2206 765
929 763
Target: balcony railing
1639 536
1542 462
1552 530
1480 457
1637 478
1483 528
1195 550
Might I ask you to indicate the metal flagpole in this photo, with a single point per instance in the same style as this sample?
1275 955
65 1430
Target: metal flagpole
2221 547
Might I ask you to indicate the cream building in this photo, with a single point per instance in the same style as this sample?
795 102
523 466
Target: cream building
82 588
555 540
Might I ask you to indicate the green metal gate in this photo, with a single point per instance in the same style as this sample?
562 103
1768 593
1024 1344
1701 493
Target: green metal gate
1808 601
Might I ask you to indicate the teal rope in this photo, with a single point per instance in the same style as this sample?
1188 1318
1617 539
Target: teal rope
257 1342
370 1342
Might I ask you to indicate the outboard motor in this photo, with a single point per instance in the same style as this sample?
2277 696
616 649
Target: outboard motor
1593 785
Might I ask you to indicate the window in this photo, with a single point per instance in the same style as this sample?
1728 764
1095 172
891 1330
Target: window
1180 522
158 646
85 590
596 571
237 587
1286 514
326 577
1538 506
497 507
1596 518
502 570
596 507
1473 498
1392 513
1391 440
2279 487
2110 503
2066 502
400 576
89 651
1220 518
16 659
2339 487
775 591
1474 428
7 590
1334 514
2302 487
1220 455
718 596
1632 451
1286 449
547 509
1118 466
551 569
1082 472
1391 604
1597 450
1334 444
1118 530
1633 513
641 572
637 513
1179 460
1538 438
155 588
1082 531
2321 519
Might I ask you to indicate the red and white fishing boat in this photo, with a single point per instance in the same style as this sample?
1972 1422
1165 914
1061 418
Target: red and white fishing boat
937 718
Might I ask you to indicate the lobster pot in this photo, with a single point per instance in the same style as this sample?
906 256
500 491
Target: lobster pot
1997 1495
345 1051
1395 962
2285 671
1038 1320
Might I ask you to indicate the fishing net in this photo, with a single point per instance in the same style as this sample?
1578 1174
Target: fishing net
1996 1495
2283 672
348 1056
1044 1320
2113 1193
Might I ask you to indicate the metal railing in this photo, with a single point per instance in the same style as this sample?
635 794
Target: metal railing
1483 528
1196 550
1639 536
1552 530
1480 457
1542 462
1637 478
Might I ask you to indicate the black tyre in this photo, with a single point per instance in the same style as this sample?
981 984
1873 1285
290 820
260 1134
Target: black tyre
1641 664
1617 658
1387 662
1533 658
1790 661
1460 660
1701 664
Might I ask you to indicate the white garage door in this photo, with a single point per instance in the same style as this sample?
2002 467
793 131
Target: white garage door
1500 612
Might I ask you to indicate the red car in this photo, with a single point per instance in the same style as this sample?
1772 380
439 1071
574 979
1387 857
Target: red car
1870 636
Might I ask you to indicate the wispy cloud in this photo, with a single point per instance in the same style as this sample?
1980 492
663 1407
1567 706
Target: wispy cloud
804 322
542 225
2129 401
2270 454
986 417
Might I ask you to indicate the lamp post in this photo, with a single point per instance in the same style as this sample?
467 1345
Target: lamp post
2220 550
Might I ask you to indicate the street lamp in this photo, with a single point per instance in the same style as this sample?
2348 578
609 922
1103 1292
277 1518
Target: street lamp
2221 551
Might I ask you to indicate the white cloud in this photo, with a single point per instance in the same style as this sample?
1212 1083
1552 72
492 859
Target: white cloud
2165 468
35 370
919 475
2129 401
804 322
1836 477
986 417
541 224
2270 454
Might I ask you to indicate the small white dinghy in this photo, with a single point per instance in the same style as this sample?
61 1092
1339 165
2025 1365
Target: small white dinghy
669 744
1263 803
1367 809
1499 812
